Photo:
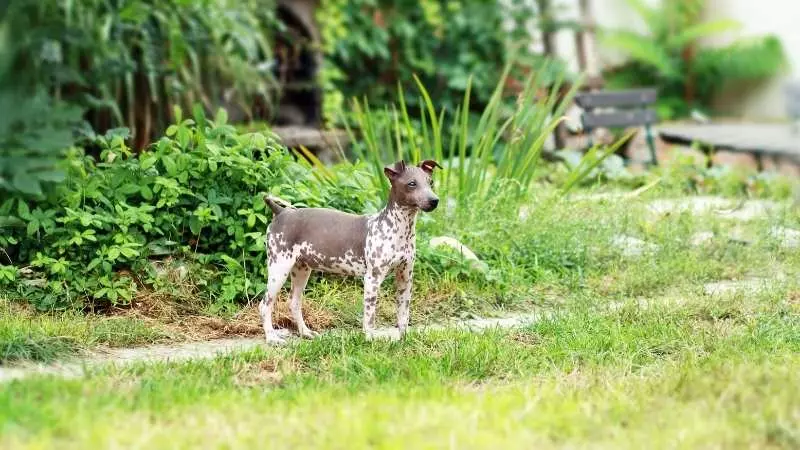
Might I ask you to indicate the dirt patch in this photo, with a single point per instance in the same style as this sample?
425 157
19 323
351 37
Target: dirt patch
185 321
200 328
526 339
793 300
268 372
318 319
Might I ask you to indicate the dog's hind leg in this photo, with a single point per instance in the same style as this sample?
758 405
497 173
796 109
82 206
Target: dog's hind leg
278 269
299 276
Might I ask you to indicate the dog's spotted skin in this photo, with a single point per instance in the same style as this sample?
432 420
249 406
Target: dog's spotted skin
302 240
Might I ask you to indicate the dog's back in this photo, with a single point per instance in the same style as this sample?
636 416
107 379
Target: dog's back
320 238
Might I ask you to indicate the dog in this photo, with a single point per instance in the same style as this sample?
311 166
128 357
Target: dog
300 240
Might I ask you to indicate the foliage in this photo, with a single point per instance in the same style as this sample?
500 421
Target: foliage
196 193
685 176
669 55
130 61
443 43
504 145
34 127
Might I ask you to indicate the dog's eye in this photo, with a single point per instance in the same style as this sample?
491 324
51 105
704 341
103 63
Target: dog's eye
412 184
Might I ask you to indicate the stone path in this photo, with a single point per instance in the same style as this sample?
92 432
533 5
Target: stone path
743 210
209 349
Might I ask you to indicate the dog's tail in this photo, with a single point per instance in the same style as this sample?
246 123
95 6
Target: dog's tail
277 205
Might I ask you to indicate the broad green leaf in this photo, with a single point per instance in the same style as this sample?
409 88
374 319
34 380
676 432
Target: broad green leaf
23 210
195 225
33 227
702 30
53 176
146 192
641 49
221 117
169 165
183 137
10 221
129 252
147 161
26 184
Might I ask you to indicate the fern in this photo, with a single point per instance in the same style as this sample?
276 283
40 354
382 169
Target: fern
743 60
644 51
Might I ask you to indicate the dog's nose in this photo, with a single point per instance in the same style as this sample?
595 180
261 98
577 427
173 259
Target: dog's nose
434 202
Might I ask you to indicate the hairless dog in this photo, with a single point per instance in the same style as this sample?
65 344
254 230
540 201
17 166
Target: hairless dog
304 239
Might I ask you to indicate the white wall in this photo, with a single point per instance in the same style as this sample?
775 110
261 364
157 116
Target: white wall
780 17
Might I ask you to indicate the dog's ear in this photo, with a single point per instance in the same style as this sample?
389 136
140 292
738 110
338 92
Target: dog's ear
428 165
395 169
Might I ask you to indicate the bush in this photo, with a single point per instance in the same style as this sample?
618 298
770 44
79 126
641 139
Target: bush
34 129
443 43
671 57
127 62
196 193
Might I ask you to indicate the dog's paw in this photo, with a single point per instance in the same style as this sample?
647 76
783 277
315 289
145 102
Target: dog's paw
308 333
277 337
389 334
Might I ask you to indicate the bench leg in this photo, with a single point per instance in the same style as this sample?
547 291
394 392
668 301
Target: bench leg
759 162
590 143
651 144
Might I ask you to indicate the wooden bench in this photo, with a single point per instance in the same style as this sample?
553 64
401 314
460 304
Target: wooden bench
617 109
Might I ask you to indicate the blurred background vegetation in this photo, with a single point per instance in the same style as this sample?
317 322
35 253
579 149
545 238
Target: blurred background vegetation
109 155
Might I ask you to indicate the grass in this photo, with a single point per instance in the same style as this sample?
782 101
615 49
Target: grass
25 335
636 354
560 253
691 375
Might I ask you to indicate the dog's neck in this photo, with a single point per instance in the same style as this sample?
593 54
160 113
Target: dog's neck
403 217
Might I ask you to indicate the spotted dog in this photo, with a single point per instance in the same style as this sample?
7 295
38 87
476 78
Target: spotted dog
300 240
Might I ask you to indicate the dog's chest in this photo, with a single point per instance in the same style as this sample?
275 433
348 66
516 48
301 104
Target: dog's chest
390 241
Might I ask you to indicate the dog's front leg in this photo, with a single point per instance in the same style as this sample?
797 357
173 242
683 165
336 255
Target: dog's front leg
403 284
372 284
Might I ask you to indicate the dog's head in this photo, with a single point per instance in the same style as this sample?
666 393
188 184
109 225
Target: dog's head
412 186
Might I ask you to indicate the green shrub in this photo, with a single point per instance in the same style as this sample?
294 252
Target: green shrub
443 43
669 55
34 128
496 152
196 193
129 61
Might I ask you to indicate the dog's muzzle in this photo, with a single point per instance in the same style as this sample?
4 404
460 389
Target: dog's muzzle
431 205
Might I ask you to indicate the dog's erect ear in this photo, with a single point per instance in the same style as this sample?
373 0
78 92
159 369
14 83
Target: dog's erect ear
428 165
395 169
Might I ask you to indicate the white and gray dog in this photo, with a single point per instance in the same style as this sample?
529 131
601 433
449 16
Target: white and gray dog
304 239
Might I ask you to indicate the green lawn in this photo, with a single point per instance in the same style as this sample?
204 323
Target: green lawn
636 355
694 375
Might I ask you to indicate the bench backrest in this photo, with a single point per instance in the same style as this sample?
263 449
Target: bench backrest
630 108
